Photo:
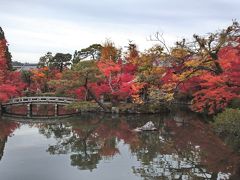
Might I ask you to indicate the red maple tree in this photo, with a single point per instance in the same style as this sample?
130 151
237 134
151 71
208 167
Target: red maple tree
11 84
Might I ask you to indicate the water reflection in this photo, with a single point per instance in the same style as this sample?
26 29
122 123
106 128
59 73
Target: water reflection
182 148
89 139
6 129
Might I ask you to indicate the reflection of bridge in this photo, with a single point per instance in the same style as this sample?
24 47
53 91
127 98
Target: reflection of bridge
29 101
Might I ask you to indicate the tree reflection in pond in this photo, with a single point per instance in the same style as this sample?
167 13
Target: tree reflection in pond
87 140
6 129
182 148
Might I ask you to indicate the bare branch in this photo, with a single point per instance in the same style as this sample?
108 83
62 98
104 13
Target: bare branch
159 38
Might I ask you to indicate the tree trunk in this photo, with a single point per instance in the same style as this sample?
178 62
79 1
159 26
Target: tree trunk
218 67
96 99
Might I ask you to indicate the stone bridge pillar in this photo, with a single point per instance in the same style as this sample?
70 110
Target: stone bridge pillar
29 110
56 110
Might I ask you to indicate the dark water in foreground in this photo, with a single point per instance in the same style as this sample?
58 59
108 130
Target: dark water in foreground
102 147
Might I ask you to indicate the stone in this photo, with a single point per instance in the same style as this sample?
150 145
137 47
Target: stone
115 110
149 126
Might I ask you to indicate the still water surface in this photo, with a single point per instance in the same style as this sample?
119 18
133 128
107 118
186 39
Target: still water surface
105 147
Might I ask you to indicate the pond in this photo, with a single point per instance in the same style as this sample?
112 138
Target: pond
105 147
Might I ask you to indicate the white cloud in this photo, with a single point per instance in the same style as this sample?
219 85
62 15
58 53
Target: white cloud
38 36
33 28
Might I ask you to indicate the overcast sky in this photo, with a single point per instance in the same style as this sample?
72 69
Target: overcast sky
34 27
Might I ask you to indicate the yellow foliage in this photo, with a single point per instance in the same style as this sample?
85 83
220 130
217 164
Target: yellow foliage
179 53
192 63
137 99
169 96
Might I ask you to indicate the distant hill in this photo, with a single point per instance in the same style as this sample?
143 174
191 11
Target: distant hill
16 63
18 66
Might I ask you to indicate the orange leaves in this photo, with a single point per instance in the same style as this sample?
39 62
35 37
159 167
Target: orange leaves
41 76
39 73
136 88
109 51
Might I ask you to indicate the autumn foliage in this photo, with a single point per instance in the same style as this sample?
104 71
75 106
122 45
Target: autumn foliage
11 84
40 78
204 73
218 90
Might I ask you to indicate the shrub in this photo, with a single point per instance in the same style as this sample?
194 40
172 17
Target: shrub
235 103
227 125
83 106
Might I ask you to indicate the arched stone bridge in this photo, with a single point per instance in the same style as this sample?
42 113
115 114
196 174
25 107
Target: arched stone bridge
29 101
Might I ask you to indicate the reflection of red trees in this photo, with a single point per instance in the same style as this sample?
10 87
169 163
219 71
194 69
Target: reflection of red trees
40 110
7 128
214 154
105 134
108 150
122 132
18 109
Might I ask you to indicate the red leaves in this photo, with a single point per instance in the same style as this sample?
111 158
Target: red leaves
11 84
118 79
7 91
108 67
80 92
211 90
218 90
129 68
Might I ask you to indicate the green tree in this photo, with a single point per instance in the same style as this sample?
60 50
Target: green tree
87 72
26 77
93 52
82 75
60 61
45 60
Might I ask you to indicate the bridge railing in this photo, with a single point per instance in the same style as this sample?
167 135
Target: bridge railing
38 99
